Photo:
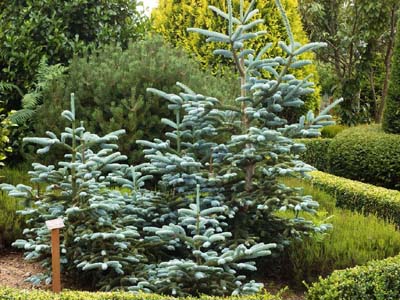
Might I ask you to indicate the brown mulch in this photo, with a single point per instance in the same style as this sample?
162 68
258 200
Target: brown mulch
14 270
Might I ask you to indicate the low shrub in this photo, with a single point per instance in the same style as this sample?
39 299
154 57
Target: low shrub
316 153
362 197
377 280
332 130
14 294
110 88
11 224
344 246
367 154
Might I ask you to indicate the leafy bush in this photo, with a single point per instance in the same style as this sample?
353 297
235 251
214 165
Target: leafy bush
110 88
332 130
172 18
316 153
11 224
391 115
366 154
376 280
361 197
11 294
354 240
30 30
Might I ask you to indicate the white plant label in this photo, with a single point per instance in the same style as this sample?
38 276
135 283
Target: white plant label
55 224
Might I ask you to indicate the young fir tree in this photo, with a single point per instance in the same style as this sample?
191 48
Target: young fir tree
242 172
100 236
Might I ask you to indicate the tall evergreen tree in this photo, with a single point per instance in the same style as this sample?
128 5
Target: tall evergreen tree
171 19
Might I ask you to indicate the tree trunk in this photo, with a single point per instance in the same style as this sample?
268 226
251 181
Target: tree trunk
388 59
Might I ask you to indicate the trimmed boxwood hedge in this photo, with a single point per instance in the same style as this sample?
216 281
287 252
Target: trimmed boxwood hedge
14 294
362 197
363 153
316 153
367 154
378 280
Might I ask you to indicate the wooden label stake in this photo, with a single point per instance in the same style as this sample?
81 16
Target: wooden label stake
54 226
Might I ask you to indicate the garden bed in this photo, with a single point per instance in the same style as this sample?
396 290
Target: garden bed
14 270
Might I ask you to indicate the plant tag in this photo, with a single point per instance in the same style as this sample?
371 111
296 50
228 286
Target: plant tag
55 223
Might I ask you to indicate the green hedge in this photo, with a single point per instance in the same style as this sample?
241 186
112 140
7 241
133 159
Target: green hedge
363 153
360 196
316 153
11 294
367 154
378 280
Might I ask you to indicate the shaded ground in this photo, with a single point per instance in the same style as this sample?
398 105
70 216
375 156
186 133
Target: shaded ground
14 270
287 294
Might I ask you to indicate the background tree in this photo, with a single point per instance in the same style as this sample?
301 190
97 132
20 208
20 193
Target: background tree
171 19
360 34
56 29
391 118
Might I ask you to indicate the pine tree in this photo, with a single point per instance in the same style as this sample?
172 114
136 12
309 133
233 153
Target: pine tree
391 116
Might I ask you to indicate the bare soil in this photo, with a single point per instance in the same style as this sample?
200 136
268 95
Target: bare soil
14 270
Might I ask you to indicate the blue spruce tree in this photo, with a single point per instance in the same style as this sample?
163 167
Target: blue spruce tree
214 211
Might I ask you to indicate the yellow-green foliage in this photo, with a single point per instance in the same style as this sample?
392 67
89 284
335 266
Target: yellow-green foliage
359 196
354 240
172 18
11 224
14 294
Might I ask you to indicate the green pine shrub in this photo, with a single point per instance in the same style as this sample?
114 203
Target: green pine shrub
110 88
366 154
316 153
391 114
57 30
354 240
332 130
359 196
13 294
376 280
